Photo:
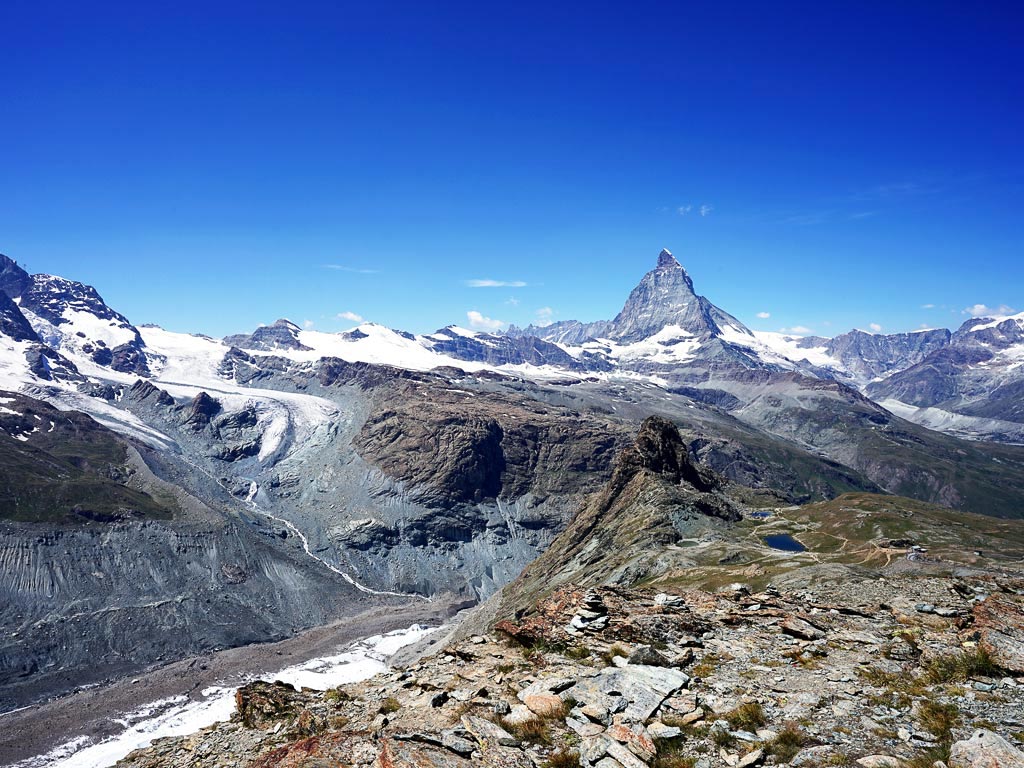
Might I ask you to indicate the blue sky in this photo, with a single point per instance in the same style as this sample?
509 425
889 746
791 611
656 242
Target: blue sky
204 167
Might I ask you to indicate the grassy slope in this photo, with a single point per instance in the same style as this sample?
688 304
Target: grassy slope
75 473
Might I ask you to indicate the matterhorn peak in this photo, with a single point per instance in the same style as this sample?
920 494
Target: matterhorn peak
666 259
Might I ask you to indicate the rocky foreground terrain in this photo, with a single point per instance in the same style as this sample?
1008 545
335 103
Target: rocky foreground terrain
678 623
636 677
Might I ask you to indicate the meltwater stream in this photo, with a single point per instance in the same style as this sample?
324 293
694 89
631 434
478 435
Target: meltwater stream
180 715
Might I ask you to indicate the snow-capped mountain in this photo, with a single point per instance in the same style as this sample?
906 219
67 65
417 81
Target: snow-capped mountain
967 383
332 469
72 319
664 298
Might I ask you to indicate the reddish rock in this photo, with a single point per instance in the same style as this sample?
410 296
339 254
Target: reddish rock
999 621
544 703
638 742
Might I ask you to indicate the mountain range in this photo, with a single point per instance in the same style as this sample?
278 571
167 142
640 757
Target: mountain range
167 493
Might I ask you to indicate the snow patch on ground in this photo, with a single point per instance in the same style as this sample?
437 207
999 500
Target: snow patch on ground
180 715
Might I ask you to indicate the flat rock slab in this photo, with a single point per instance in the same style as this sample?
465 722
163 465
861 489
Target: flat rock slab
635 690
985 750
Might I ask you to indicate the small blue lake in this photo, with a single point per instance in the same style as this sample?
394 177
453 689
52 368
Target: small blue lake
784 542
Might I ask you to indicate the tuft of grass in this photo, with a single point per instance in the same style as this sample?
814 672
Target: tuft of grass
613 651
839 760
389 705
748 716
505 668
707 665
336 696
577 653
787 744
562 759
939 719
958 667
723 738
533 731
674 761
927 758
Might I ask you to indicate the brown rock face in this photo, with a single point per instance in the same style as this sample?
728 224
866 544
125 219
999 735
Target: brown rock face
452 447
1000 622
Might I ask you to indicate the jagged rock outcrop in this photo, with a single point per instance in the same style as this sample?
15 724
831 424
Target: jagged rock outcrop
282 334
200 411
656 496
13 323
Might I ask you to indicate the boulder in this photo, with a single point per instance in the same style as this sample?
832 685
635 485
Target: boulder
999 620
985 750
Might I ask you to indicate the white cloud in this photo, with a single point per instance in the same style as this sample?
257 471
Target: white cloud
487 283
307 324
512 301
544 316
355 270
981 310
706 209
476 320
684 209
764 315
350 316
927 306
798 329
875 327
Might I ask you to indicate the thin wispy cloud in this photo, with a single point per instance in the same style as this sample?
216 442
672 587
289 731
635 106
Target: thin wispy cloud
701 210
307 324
797 329
875 327
862 215
488 283
355 318
512 301
353 270
983 310
544 315
895 190
764 315
927 306
477 320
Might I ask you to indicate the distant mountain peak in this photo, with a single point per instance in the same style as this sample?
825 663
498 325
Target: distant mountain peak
667 260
